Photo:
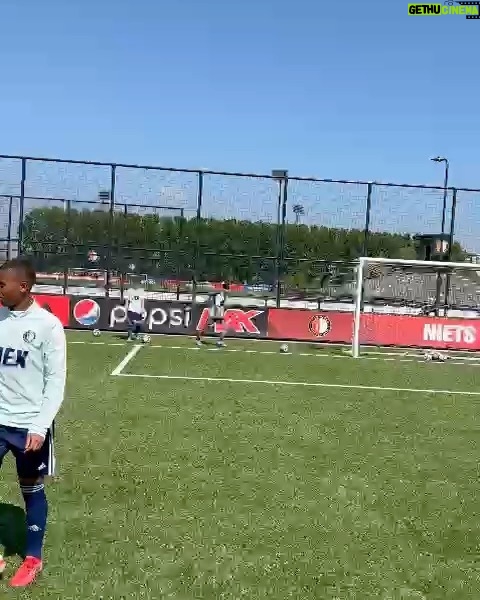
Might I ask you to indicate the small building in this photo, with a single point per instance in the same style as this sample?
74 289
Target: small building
432 246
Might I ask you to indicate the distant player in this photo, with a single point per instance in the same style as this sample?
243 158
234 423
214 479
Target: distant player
32 383
135 307
216 314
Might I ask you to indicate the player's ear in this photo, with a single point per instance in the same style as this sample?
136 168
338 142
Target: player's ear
24 287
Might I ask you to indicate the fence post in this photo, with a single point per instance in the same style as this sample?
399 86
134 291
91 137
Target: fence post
450 244
9 228
452 223
110 228
368 210
66 246
200 195
278 243
21 214
282 214
197 224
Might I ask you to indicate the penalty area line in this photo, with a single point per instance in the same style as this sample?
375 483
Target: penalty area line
123 363
374 388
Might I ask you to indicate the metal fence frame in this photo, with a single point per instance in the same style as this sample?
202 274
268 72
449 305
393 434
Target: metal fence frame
200 174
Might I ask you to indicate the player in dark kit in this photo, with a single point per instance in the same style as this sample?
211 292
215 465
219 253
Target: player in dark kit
216 314
32 383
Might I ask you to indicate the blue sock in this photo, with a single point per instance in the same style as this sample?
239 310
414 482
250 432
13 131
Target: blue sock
36 509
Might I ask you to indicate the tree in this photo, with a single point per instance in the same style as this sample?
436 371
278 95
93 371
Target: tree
208 249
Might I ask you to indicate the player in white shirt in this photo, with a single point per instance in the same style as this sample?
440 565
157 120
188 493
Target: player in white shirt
135 306
216 314
32 384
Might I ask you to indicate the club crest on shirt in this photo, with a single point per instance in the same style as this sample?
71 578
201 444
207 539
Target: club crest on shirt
29 336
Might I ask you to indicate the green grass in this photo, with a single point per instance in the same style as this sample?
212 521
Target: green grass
189 489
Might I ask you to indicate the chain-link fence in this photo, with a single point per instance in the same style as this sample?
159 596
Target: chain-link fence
182 229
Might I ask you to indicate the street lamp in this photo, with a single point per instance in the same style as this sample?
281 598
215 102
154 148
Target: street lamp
441 159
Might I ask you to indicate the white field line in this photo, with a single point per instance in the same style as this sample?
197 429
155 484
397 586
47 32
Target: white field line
400 350
374 388
251 340
133 352
383 356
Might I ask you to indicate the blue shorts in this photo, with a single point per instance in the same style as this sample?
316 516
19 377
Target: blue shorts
134 318
30 465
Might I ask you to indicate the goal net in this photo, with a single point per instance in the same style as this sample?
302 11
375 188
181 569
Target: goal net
422 304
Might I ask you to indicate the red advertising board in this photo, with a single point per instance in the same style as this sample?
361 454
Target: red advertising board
429 332
307 325
58 305
245 322
375 329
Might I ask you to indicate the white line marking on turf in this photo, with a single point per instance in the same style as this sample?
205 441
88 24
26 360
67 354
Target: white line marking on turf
401 350
375 388
211 337
98 343
373 355
133 352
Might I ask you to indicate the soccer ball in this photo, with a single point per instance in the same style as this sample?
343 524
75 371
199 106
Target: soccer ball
96 332
436 356
146 338
284 348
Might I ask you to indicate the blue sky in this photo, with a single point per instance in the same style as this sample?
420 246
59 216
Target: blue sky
344 89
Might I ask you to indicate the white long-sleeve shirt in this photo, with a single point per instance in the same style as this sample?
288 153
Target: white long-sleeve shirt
217 299
135 300
32 368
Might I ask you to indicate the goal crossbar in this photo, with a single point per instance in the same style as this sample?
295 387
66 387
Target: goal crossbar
418 263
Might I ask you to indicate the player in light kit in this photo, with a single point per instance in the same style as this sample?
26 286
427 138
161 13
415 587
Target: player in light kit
216 314
32 383
135 306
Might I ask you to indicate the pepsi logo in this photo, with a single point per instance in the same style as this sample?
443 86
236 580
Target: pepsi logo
86 312
319 325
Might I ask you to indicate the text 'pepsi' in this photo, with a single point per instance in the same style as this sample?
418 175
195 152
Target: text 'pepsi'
155 318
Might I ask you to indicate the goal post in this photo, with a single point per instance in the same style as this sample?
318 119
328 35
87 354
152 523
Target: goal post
390 295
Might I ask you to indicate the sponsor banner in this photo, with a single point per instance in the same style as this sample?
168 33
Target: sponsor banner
428 332
88 313
109 314
307 325
160 317
238 322
303 325
57 305
375 329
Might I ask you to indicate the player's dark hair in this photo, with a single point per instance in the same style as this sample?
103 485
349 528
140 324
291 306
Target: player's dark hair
23 266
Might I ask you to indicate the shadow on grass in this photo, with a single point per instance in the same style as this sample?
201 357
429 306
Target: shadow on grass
120 336
329 349
12 529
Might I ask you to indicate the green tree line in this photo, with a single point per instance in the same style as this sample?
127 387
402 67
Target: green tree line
208 249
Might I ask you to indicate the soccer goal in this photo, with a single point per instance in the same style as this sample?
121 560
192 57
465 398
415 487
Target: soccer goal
415 303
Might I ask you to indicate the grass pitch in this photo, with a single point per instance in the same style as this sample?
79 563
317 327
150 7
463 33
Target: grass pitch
173 484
